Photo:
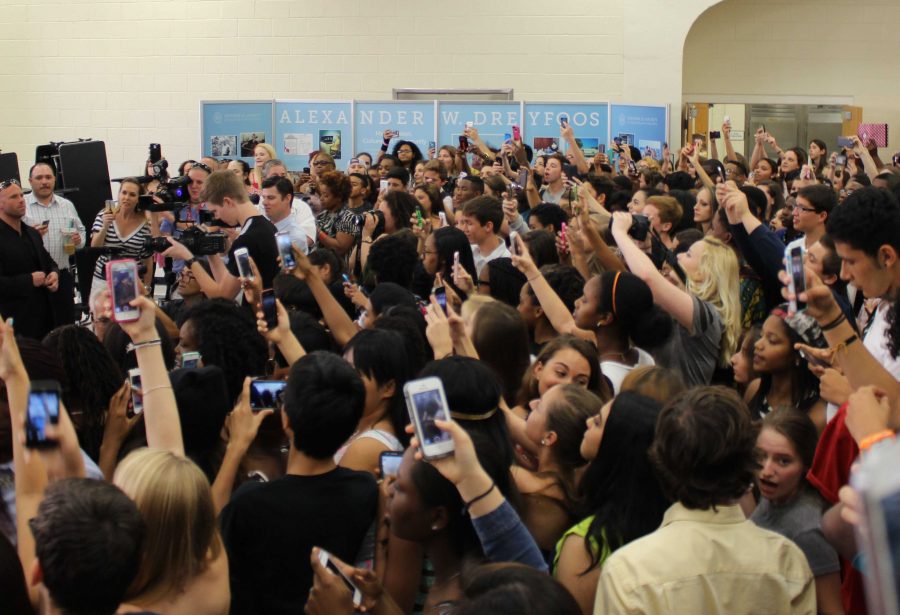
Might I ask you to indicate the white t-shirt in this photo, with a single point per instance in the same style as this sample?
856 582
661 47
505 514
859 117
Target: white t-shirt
616 371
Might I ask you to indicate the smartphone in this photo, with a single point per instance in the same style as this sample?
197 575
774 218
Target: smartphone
426 401
122 279
432 145
288 261
383 185
698 144
570 170
563 120
137 397
845 142
564 233
728 120
507 137
617 141
155 152
43 408
513 245
269 308
470 124
443 218
715 134
266 394
242 260
346 278
325 560
793 257
517 133
440 293
456 260
389 462
522 179
306 170
463 144
722 174
840 160
190 360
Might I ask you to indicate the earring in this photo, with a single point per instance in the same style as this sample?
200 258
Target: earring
543 442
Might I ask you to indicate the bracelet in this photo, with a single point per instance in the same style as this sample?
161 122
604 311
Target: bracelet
870 440
146 344
146 392
533 279
467 505
842 346
189 262
834 323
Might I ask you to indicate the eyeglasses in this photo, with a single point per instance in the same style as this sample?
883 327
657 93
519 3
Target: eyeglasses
811 210
321 163
10 182
201 166
404 151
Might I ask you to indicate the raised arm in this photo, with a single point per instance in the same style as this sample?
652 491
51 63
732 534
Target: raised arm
342 328
567 133
669 297
729 147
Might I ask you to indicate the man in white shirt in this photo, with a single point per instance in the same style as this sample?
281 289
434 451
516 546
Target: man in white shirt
301 210
277 195
480 220
56 219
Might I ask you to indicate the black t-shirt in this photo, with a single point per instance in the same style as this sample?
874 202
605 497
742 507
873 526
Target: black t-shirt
270 529
258 236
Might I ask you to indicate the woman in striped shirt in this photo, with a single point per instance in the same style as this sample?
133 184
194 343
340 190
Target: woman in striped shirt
126 229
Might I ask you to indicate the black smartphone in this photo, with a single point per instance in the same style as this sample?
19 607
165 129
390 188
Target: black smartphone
463 143
306 170
155 152
440 293
570 170
715 134
794 259
563 120
269 308
389 463
43 409
265 394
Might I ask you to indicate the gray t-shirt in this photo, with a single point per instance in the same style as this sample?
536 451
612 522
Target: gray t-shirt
801 521
694 354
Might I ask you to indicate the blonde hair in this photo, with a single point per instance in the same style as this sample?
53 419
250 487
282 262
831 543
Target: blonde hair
175 502
471 306
257 171
718 282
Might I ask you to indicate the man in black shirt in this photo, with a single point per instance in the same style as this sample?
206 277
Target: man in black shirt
270 529
226 196
27 271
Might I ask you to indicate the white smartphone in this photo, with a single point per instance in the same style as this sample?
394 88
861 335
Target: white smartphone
443 218
878 482
455 261
728 120
137 397
122 279
190 360
513 246
242 259
285 250
793 259
470 124
383 185
426 402
325 560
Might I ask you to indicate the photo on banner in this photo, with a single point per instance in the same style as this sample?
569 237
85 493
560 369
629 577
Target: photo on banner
494 121
414 121
589 122
644 127
306 126
231 129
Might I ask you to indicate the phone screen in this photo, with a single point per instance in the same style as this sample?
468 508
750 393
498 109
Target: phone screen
190 360
123 288
266 394
563 120
463 143
440 293
428 406
242 257
43 409
284 248
390 463
137 397
269 308
325 560
798 281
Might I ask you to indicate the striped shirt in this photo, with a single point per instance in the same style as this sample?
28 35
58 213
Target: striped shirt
133 245
62 216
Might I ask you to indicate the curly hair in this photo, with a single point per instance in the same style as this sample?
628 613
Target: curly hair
704 450
93 378
227 338
337 183
393 259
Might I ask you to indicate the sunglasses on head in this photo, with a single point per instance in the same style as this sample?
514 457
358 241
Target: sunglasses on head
9 182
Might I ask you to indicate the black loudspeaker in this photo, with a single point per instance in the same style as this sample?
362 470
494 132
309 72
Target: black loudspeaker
9 167
85 173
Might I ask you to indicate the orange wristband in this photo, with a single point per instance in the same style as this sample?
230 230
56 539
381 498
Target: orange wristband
869 441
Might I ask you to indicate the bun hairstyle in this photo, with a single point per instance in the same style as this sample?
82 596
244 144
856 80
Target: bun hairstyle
630 301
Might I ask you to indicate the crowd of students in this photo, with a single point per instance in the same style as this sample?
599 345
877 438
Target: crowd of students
648 414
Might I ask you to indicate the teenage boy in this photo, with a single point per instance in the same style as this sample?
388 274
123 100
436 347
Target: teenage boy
812 207
480 221
397 179
704 454
467 188
270 529
226 196
554 184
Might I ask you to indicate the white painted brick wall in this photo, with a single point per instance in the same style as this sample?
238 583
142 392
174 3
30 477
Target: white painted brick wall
133 71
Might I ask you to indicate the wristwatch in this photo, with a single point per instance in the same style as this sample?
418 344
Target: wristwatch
190 262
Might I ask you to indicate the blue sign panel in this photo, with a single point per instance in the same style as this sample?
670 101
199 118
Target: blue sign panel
307 126
643 127
233 129
494 121
415 121
589 122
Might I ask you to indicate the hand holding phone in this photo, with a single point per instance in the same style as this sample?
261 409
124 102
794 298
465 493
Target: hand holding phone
266 394
793 258
123 281
325 560
43 410
426 402
288 262
137 394
269 308
389 463
242 260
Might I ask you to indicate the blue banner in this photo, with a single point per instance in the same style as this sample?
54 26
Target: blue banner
643 127
415 121
494 121
302 127
589 122
233 129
